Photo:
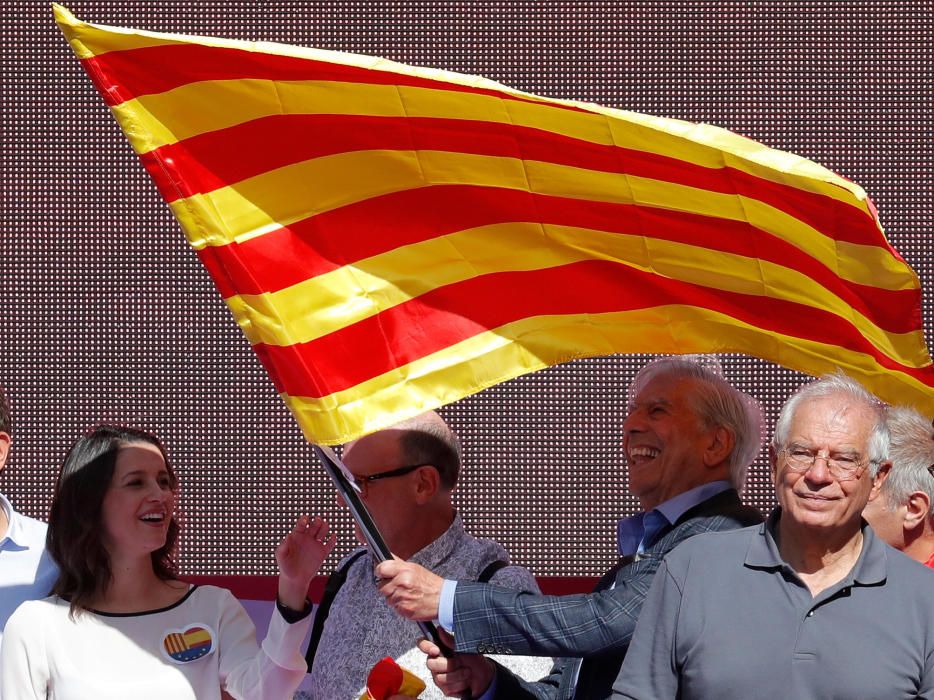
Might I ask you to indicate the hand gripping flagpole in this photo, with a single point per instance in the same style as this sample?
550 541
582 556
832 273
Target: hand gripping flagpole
348 490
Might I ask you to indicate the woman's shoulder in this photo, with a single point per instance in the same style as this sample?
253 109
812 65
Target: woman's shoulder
213 596
38 611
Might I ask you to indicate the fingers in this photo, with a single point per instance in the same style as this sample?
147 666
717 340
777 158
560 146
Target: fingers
443 664
446 637
454 684
302 524
390 568
429 648
462 672
317 529
413 591
450 675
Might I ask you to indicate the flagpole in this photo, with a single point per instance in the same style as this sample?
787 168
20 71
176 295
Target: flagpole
379 550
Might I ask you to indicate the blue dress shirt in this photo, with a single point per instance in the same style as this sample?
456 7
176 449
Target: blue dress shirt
27 572
634 535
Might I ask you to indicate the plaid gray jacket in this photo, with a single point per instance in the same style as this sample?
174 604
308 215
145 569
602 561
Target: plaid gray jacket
592 631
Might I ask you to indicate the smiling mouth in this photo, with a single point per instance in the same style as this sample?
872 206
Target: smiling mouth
815 497
153 518
643 453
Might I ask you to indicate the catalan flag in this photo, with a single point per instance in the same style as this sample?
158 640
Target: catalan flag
391 238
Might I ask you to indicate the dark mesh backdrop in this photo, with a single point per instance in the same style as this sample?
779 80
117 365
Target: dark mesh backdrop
107 314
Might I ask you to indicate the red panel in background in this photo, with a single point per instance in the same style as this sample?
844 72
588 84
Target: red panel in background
264 587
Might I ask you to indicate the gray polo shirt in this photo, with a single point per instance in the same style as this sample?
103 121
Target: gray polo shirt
727 618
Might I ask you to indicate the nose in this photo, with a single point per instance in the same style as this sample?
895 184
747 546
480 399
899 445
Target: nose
819 472
634 421
155 491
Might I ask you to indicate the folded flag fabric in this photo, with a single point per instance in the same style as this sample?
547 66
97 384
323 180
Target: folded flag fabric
391 239
387 678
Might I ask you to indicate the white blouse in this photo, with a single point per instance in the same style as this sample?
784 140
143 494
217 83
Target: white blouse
188 651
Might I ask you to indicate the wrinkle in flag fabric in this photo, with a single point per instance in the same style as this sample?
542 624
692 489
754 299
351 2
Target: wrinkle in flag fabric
391 238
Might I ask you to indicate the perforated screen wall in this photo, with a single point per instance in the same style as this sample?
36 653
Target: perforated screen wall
106 313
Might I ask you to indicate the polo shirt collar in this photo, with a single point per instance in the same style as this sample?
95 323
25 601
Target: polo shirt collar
869 568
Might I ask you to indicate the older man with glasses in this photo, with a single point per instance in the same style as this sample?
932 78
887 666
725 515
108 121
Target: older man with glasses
809 605
689 437
903 512
406 475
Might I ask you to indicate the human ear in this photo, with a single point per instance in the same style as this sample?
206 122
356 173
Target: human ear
719 446
5 441
917 509
427 483
880 478
773 464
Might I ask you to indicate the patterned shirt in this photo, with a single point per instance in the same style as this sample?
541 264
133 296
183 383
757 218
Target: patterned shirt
361 628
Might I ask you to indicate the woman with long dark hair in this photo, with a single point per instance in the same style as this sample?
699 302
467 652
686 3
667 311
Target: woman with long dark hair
119 623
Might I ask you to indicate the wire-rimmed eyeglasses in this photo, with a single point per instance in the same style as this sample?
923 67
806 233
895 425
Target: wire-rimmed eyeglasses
843 466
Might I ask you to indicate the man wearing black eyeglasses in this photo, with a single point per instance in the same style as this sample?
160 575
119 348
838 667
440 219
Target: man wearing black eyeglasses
903 512
808 605
689 437
406 476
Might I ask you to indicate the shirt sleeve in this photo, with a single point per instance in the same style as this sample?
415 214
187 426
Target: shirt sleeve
528 668
650 670
24 671
446 605
271 671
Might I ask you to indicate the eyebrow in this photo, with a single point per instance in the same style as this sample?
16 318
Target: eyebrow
649 402
836 451
144 472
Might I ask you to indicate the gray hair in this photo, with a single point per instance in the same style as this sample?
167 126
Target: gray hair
717 403
911 451
427 439
837 384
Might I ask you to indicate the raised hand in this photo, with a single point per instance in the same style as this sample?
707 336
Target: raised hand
299 556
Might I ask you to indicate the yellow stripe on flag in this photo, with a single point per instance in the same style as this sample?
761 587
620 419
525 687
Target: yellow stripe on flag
334 300
283 196
151 121
292 327
535 343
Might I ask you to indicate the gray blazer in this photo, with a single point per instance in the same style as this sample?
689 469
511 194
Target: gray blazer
592 630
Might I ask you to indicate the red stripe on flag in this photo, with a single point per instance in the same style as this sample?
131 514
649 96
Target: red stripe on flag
207 162
154 69
344 236
449 315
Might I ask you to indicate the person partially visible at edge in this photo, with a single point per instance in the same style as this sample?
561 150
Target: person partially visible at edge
119 624
902 513
27 571
407 475
808 605
689 438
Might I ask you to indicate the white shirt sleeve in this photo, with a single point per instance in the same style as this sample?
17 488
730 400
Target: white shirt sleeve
24 669
270 671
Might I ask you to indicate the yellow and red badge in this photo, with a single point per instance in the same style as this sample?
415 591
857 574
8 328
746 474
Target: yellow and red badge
387 678
190 644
